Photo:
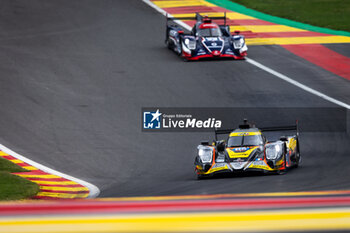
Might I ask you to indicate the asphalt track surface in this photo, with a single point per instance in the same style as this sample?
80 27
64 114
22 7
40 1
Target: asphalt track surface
75 75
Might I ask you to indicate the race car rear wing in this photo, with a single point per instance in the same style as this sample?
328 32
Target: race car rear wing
263 129
280 128
198 17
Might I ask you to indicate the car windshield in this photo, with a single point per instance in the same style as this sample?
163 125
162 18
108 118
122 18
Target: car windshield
205 32
250 140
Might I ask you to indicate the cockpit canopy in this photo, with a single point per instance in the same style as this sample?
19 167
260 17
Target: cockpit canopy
208 30
245 140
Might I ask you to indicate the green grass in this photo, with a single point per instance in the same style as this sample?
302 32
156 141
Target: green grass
8 166
14 187
333 14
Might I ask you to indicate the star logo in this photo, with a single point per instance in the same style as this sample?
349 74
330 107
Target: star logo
156 115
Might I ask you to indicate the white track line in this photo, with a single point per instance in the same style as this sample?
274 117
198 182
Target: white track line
298 84
261 66
93 190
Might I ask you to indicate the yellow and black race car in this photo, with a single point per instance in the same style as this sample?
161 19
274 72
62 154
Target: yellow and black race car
247 149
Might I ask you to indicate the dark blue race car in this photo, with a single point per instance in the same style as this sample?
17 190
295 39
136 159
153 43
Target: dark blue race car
206 40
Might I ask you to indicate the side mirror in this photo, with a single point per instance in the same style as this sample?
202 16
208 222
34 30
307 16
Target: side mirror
264 138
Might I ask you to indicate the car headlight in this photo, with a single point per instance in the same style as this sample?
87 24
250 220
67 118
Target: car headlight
273 151
190 44
238 43
205 154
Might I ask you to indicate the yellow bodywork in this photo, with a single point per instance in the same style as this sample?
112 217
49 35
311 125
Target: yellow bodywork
264 167
245 154
291 144
218 169
212 169
234 134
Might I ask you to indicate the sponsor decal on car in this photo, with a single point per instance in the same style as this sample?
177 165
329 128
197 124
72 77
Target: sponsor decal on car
240 149
220 165
259 163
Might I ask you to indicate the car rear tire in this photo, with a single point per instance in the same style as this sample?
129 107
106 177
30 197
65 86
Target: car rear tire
282 172
298 158
168 44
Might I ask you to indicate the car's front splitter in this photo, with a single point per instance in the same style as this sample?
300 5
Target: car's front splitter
229 168
211 56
